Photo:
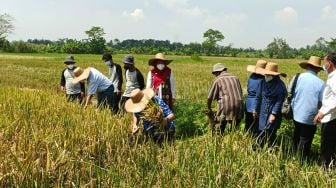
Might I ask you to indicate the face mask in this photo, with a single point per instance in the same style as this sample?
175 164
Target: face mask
268 78
108 63
160 66
71 66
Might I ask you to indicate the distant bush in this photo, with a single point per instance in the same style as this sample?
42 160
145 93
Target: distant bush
196 57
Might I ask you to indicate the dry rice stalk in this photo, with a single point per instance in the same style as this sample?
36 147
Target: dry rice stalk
153 114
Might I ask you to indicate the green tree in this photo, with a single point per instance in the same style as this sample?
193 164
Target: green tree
279 48
97 43
211 38
6 27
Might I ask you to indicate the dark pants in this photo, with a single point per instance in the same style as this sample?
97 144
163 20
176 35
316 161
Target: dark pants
122 103
251 124
105 98
74 97
267 136
222 126
303 138
115 102
159 137
328 142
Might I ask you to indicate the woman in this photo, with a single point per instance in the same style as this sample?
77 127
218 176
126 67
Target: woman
271 93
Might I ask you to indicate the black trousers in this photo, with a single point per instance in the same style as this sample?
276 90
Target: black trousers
74 97
267 136
251 124
105 98
115 102
222 126
122 103
328 143
303 138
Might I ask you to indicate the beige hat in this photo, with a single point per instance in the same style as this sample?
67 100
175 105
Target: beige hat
270 69
138 100
80 75
161 57
219 67
260 64
313 61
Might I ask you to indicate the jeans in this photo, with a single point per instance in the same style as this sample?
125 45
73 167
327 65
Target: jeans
74 97
328 143
303 138
105 98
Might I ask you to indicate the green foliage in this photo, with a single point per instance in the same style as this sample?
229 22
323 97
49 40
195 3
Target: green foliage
196 57
6 25
96 39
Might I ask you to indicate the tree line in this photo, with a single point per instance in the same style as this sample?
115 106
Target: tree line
95 43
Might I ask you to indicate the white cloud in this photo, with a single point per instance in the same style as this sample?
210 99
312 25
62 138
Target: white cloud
136 15
183 7
287 15
328 13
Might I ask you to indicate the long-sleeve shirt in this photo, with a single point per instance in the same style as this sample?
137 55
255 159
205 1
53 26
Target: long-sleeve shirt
306 97
97 82
329 99
66 79
252 86
115 73
172 83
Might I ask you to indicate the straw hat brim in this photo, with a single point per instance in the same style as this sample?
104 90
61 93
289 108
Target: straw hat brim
258 70
130 106
152 61
82 77
304 65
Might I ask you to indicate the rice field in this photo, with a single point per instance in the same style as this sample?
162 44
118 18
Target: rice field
47 142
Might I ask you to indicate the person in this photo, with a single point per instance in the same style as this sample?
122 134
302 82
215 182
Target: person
97 84
155 115
306 99
226 90
271 93
134 79
161 79
73 91
327 113
115 74
251 124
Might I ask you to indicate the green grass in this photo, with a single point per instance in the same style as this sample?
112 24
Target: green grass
47 142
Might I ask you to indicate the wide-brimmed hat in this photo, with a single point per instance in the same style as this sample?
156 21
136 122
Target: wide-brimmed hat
270 69
80 74
313 61
69 60
159 57
219 67
138 100
260 64
129 59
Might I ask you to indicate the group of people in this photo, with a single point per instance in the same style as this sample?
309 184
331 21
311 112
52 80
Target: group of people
312 102
160 91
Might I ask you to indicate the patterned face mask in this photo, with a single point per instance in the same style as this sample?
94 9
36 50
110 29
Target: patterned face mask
71 66
160 66
108 63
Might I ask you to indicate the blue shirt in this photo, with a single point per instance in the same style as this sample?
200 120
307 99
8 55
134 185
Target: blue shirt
97 82
252 86
308 92
166 112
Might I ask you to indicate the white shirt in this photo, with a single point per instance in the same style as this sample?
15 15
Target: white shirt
131 82
172 83
97 82
329 99
114 78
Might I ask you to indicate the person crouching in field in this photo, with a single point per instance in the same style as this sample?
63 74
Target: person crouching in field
74 92
226 90
161 79
97 84
153 113
251 124
134 79
115 74
271 93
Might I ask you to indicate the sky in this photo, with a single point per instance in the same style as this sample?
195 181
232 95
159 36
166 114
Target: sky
244 23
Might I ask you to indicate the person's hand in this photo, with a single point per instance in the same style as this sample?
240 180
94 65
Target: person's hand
255 115
135 129
271 119
82 94
318 118
62 88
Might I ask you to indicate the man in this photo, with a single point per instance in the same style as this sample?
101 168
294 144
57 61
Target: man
161 79
134 79
115 74
251 124
73 91
306 99
327 113
226 89
97 84
155 115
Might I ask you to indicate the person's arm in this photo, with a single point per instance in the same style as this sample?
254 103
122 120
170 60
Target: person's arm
135 127
140 79
213 95
120 78
62 83
257 102
329 106
173 85
88 100
149 80
82 85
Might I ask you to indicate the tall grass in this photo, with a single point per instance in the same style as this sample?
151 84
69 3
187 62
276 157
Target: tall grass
45 141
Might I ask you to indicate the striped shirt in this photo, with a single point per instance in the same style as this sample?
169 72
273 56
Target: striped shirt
226 89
